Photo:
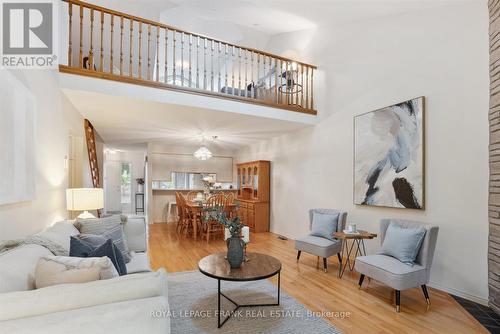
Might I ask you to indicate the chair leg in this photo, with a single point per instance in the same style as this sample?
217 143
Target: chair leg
298 255
325 265
339 257
398 301
426 295
361 278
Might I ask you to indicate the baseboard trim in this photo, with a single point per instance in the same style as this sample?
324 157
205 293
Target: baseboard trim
459 293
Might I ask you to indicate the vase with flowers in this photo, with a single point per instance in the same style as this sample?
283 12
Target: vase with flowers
140 185
235 243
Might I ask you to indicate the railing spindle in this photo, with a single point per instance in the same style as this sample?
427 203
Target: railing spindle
212 65
232 67
307 87
182 58
246 73
281 82
70 26
111 38
252 70
219 46
205 64
239 71
130 69
101 54
302 85
80 61
157 53
149 52
166 56
197 61
190 60
140 50
174 65
276 97
312 90
225 68
270 74
91 52
121 45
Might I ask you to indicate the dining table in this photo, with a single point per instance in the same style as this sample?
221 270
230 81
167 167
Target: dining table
196 208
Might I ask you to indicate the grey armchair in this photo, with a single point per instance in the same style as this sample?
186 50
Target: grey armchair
319 246
392 272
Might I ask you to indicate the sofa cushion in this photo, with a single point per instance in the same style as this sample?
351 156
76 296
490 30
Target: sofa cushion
17 267
318 246
403 243
135 230
125 317
391 271
324 225
139 263
57 298
110 227
60 233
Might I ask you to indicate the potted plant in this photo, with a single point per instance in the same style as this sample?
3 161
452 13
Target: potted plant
140 185
235 243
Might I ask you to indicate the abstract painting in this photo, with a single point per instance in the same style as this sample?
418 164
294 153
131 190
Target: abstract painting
389 156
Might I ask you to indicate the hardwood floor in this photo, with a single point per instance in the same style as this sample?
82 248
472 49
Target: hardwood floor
369 310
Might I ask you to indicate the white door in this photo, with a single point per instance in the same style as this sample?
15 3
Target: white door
112 186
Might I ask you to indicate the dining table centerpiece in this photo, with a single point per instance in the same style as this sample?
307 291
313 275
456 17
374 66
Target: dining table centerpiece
235 243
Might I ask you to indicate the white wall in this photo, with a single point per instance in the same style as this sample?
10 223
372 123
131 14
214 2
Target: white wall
55 119
441 54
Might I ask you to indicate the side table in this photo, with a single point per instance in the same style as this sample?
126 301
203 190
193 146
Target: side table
347 251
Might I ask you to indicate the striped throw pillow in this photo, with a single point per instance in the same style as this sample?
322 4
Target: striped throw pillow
110 228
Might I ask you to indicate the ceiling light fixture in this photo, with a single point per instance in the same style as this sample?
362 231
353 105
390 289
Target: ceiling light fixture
203 153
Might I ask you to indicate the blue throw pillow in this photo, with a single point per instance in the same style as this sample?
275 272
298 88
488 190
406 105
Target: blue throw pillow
110 250
324 225
403 243
81 248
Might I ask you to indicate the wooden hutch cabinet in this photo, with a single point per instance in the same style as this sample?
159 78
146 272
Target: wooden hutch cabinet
253 183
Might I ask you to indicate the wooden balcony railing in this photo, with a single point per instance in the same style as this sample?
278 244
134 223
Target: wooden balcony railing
112 45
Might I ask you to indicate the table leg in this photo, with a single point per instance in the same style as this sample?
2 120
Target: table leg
219 294
219 325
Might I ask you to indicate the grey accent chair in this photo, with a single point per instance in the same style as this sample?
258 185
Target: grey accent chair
319 246
396 274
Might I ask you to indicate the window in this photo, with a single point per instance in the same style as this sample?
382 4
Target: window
125 183
183 181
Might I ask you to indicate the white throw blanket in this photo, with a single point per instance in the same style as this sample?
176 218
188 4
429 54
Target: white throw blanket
55 248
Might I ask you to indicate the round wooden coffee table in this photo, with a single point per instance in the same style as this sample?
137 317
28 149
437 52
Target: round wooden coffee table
257 267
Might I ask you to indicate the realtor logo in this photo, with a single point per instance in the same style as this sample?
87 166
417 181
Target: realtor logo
28 33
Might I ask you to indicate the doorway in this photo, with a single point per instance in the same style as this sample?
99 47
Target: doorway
118 187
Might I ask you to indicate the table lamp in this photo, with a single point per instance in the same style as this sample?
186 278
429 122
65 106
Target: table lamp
84 199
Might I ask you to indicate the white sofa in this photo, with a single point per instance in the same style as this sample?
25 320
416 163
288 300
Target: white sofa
126 304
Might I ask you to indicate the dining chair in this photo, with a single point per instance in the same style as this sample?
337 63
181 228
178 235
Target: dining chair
191 196
230 204
184 224
212 226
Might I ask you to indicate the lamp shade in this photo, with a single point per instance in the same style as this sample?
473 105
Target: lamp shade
83 199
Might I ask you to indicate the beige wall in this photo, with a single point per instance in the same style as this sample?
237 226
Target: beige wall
55 120
441 54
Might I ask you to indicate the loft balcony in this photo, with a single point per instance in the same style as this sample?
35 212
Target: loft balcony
107 44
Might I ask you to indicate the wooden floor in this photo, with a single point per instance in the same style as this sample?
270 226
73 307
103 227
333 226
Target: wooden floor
369 310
